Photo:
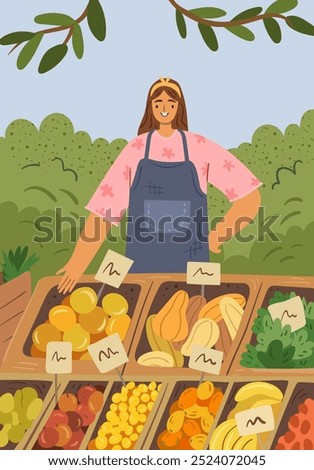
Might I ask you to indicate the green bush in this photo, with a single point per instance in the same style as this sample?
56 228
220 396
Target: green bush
54 166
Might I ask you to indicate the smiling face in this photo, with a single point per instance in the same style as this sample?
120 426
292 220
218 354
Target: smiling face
164 108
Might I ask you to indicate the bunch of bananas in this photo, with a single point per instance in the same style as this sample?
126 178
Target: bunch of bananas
226 436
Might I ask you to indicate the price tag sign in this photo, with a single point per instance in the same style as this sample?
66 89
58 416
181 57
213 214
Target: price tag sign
113 269
59 358
255 420
109 353
206 360
203 273
290 312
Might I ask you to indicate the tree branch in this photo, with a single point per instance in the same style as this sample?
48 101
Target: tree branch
225 24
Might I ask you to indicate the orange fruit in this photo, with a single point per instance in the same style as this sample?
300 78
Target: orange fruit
62 317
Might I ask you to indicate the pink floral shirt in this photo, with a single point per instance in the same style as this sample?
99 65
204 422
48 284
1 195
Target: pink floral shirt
214 165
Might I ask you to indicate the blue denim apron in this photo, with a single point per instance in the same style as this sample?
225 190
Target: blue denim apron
167 222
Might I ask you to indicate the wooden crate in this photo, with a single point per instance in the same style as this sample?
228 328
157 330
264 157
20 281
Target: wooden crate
14 297
303 286
301 391
115 387
71 384
175 387
9 383
164 286
45 296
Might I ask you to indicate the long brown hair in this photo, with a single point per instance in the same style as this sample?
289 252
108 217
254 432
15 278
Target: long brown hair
149 123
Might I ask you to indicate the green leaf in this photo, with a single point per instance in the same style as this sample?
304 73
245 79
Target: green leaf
281 6
303 347
208 12
52 58
57 19
273 29
300 25
181 25
78 41
96 19
242 32
277 356
209 36
248 13
16 38
28 51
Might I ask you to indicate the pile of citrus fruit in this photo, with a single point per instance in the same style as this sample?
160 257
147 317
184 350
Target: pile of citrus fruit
80 321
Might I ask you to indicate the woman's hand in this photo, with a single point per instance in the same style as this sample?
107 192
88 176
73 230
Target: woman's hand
71 274
213 242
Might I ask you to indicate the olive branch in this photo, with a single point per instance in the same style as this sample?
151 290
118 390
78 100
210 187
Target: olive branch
205 17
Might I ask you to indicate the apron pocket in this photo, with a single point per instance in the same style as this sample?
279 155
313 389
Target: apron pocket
162 215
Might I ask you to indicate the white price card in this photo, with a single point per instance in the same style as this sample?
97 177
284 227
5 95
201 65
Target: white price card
203 273
108 353
290 312
113 269
206 360
255 420
59 357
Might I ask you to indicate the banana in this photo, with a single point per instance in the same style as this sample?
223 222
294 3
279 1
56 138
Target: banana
248 442
232 314
156 359
220 433
230 439
252 389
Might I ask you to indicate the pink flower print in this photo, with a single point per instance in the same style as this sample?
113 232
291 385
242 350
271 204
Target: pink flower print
231 194
138 144
254 181
126 172
168 153
200 139
228 165
106 190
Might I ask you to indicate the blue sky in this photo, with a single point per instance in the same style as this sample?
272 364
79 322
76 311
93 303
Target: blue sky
229 93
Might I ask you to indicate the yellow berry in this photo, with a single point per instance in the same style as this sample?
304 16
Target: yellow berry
126 443
123 398
132 409
154 395
117 447
113 407
142 418
123 407
115 439
139 428
159 387
134 418
124 415
116 397
124 389
116 429
112 418
145 398
123 425
106 427
141 408
152 386
130 385
128 430
134 437
136 392
101 442
150 405
143 388
134 400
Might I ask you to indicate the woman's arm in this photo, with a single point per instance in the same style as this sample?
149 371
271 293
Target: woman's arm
92 237
238 216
